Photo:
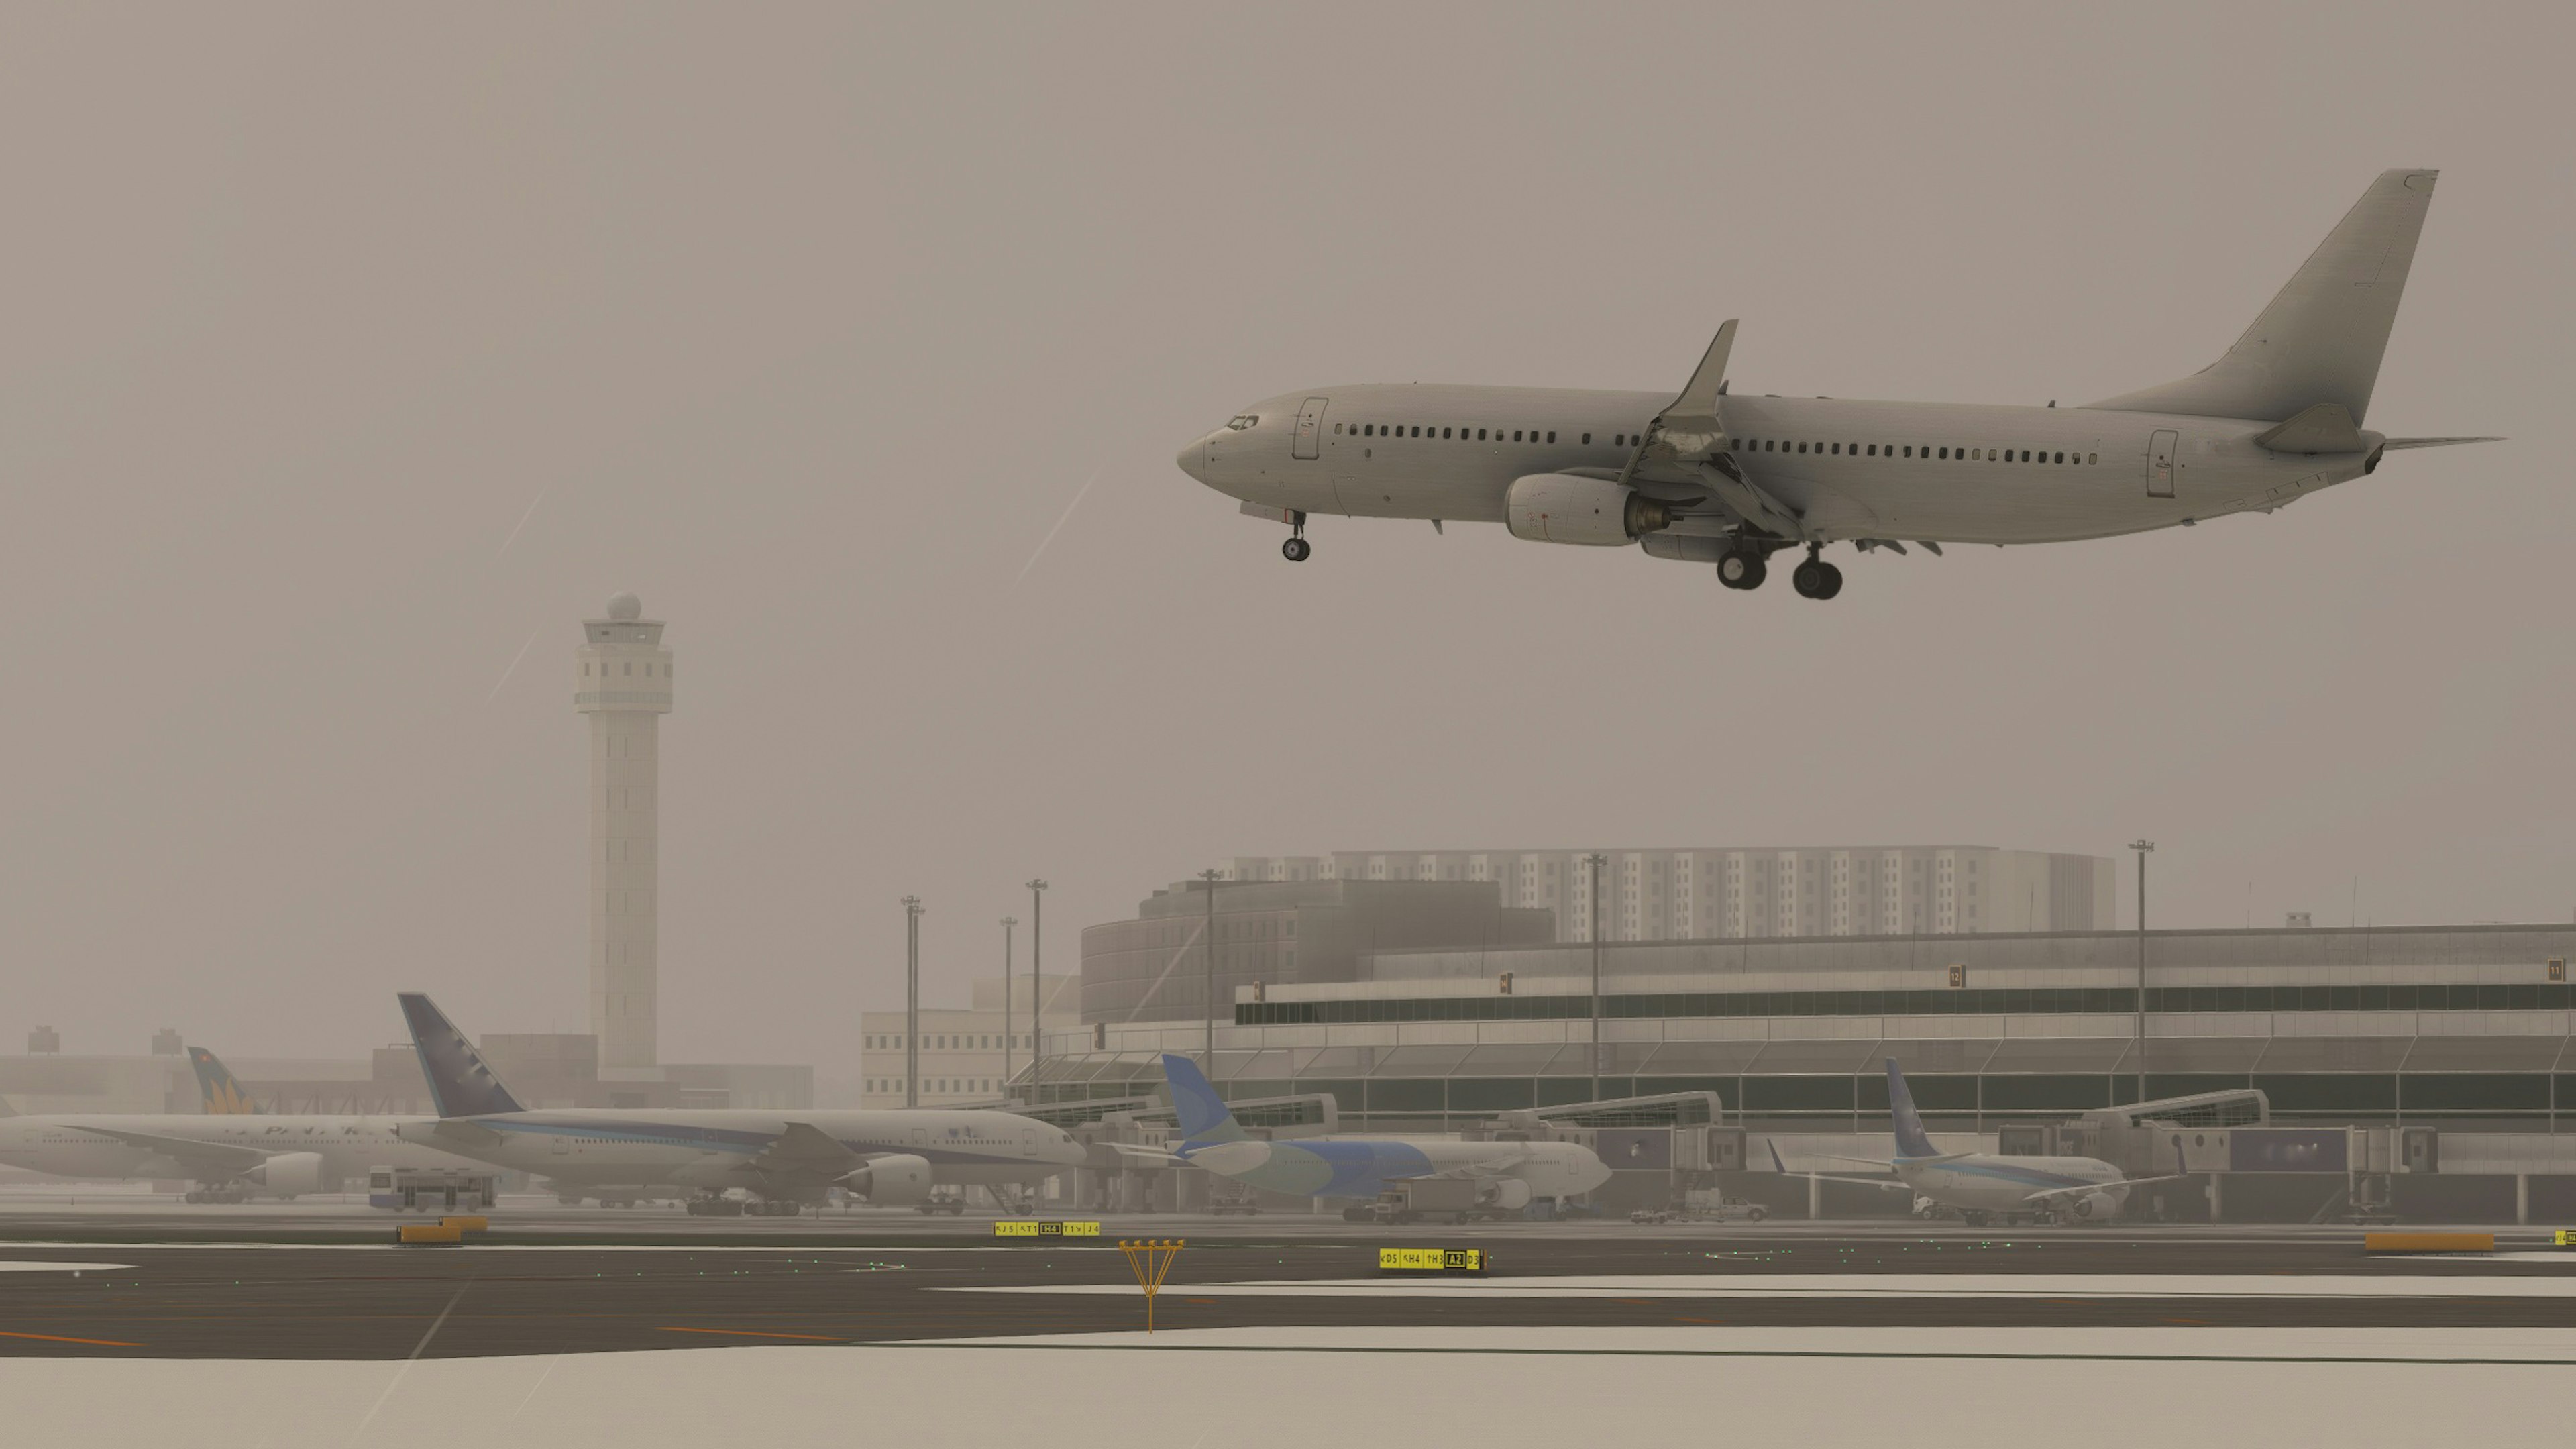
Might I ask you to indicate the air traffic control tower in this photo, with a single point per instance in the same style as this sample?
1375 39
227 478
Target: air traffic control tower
625 688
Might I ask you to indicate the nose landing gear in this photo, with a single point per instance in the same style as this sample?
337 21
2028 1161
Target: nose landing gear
1297 549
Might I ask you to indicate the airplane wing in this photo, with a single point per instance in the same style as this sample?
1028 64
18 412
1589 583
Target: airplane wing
1686 450
1129 1154
805 1150
2082 1188
2397 444
217 1160
1881 1182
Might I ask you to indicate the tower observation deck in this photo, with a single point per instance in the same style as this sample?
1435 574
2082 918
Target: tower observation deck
624 685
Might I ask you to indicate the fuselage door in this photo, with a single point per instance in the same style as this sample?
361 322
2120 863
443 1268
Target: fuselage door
2160 463
1310 428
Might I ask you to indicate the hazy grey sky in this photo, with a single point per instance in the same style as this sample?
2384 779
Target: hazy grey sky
807 324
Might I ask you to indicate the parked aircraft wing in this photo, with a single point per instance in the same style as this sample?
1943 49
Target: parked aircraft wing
2083 1188
808 1150
205 1159
1880 1182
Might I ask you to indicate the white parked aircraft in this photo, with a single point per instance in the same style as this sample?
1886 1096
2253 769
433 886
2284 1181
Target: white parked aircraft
228 1151
1988 1184
1730 480
783 1159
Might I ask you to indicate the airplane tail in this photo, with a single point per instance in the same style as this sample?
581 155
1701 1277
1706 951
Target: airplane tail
219 1092
460 1084
1911 1139
2321 339
1203 1114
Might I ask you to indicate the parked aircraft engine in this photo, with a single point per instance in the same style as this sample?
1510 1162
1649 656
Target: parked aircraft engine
896 1180
2096 1207
1564 508
287 1174
1510 1194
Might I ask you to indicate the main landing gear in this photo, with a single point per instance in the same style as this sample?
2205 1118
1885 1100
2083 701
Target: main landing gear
1742 568
1815 579
1297 549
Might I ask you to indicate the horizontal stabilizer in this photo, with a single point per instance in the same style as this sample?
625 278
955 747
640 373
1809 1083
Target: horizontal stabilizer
2325 428
2395 445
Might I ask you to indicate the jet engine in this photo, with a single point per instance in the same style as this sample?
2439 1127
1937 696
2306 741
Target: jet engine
896 1180
287 1174
1510 1194
2095 1207
1565 508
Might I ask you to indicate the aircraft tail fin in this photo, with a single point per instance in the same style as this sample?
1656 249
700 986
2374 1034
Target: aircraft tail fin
1203 1115
460 1083
1911 1139
219 1092
2322 338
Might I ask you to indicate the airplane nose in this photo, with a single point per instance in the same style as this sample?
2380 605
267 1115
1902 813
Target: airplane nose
1193 460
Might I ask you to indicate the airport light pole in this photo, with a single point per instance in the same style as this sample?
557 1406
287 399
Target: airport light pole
1593 863
1037 1001
1008 923
1207 956
912 1001
2142 846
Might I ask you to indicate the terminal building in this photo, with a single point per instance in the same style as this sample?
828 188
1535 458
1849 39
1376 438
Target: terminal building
1726 892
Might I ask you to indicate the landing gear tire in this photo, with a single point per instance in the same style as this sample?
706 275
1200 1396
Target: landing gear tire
1816 579
1296 550
1742 569
1973 1218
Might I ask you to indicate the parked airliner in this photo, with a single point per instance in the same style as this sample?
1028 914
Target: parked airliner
1509 1175
1729 480
783 1159
1988 1184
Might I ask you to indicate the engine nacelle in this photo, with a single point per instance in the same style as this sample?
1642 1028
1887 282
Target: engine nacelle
2095 1207
896 1180
1510 1194
1564 508
288 1174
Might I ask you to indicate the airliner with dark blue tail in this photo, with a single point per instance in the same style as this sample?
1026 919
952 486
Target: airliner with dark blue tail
886 1157
1984 1184
1509 1175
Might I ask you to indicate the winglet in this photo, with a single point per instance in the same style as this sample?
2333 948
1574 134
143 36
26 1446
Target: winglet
1699 399
1203 1115
1776 1164
460 1084
1911 1139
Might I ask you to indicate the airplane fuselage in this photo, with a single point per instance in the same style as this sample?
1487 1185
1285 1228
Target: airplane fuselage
1942 472
70 1146
1990 1182
713 1148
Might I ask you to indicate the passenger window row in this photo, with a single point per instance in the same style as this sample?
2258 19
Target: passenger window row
1464 435
1892 450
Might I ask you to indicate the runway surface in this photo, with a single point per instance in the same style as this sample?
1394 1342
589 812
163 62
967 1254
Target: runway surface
265 1286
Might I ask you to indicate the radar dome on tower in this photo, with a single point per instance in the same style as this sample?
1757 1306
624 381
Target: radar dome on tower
625 606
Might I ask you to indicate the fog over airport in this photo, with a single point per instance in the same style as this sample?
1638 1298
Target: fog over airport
353 359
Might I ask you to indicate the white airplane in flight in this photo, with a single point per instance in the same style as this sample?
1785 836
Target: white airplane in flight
1729 480
1983 1185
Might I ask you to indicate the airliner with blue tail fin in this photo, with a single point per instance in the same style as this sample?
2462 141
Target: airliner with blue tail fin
1984 1184
1510 1175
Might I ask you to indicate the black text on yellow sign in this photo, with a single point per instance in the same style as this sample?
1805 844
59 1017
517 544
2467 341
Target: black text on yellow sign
1009 1229
1431 1260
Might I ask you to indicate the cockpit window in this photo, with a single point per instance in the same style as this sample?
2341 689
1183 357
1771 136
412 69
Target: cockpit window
1242 421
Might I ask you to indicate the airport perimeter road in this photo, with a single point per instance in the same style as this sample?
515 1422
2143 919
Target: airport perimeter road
370 1300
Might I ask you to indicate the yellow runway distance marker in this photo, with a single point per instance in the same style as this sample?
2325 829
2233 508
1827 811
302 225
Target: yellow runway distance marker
1150 1259
1432 1260
2428 1242
1009 1228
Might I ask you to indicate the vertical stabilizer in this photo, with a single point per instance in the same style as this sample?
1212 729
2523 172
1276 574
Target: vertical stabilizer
460 1085
2321 339
219 1092
1203 1114
1911 1139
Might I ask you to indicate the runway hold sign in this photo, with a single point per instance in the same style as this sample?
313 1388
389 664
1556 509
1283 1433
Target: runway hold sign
1007 1229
